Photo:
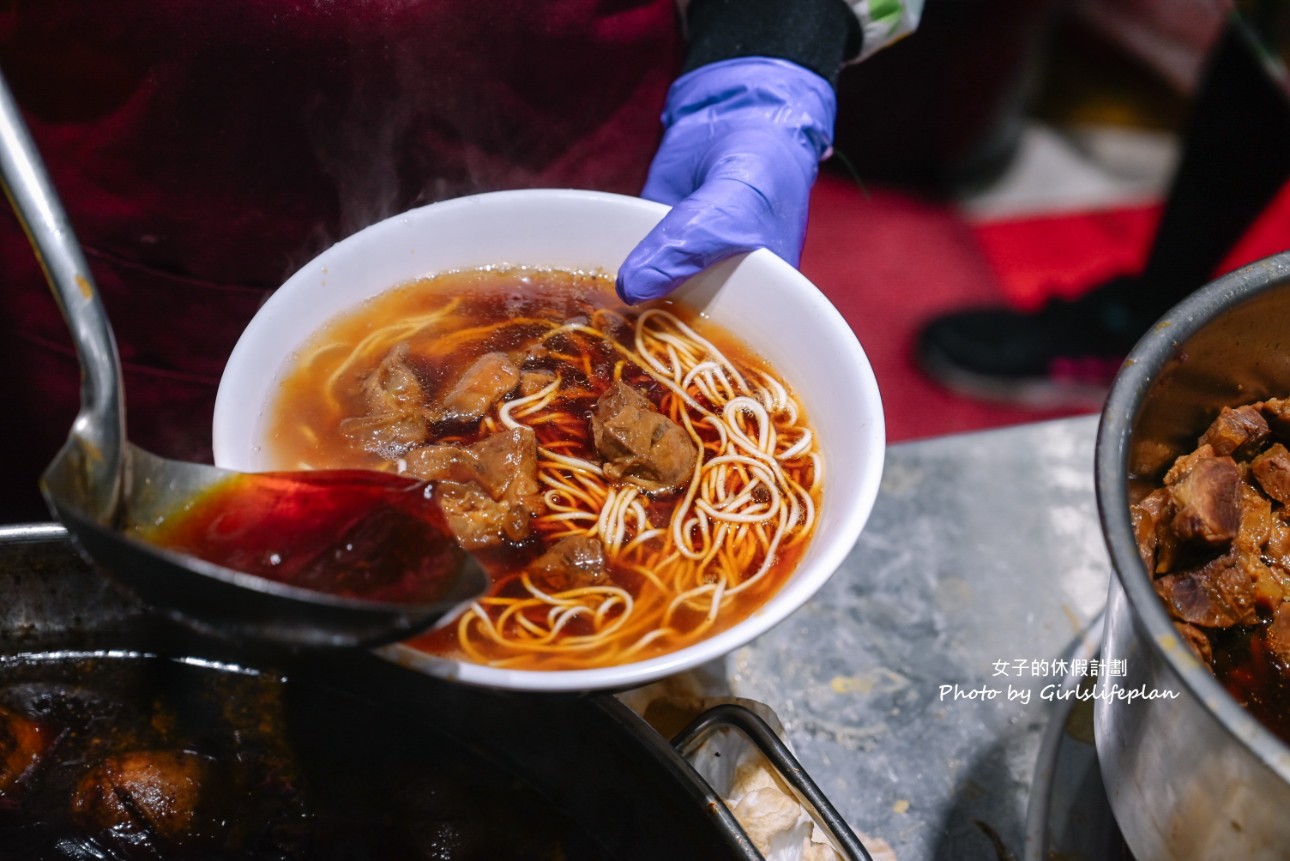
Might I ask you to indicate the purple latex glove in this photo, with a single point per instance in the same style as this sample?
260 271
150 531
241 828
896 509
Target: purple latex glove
740 153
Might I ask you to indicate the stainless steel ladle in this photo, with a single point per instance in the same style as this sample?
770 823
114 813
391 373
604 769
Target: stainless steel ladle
103 488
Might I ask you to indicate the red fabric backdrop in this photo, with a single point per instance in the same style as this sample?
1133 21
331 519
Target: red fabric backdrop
889 261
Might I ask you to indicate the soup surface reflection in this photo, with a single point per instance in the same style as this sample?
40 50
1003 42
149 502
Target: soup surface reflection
633 479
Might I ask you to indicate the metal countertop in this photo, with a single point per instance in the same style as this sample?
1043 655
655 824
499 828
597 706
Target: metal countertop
981 567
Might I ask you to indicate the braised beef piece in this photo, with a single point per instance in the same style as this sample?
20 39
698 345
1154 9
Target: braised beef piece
22 741
1267 588
1219 594
393 386
571 563
1277 549
1150 517
395 402
1260 531
387 435
486 381
1257 520
488 491
1277 413
534 381
1197 642
157 793
1151 457
398 409
1237 431
506 463
478 521
1277 636
503 463
1206 499
639 444
1272 470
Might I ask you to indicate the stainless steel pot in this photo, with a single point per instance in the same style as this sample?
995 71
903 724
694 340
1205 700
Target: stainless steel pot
1190 774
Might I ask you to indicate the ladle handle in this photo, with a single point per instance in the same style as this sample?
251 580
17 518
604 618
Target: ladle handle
32 196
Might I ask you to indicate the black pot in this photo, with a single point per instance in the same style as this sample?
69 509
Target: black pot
622 785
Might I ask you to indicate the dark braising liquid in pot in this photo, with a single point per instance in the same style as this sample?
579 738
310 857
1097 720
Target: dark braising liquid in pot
1253 676
126 757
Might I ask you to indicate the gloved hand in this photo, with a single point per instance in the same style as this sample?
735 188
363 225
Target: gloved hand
740 153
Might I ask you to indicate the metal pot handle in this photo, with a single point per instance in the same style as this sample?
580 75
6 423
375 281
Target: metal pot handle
757 731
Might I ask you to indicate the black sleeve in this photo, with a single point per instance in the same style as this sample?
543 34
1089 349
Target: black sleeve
818 34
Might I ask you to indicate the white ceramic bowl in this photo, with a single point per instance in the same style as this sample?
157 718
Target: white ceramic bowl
757 296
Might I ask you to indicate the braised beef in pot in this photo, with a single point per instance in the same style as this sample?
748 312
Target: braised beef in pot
1215 535
122 757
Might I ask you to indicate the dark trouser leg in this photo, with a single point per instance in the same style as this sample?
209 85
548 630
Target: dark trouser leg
1235 158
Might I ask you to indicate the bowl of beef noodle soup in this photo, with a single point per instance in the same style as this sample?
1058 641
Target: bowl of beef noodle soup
649 487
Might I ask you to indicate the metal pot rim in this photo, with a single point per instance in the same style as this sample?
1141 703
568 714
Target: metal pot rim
1119 414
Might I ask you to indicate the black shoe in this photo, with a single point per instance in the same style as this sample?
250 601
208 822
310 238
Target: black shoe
1064 355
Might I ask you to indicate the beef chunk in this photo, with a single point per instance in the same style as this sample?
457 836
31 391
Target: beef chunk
445 462
1240 431
1277 413
1277 547
148 792
1265 588
1197 642
570 563
1206 500
532 382
1257 521
488 490
1220 594
1277 635
1281 578
504 463
393 387
1272 470
1186 462
638 443
387 435
507 463
1150 457
1259 531
477 520
490 378
1261 542
395 402
22 741
1148 517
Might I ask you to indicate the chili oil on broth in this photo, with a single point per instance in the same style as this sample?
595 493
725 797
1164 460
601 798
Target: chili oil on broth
680 566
